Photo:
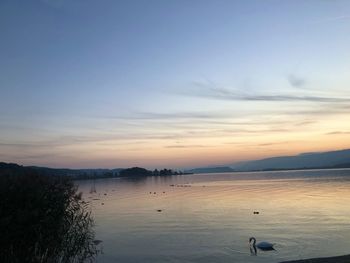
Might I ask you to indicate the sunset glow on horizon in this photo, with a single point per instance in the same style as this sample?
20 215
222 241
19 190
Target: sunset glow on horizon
178 84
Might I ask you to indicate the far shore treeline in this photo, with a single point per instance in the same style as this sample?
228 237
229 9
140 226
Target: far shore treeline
78 174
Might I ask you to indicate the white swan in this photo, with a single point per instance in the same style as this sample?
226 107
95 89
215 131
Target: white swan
261 245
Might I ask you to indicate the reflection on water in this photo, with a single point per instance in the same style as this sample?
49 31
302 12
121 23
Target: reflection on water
210 217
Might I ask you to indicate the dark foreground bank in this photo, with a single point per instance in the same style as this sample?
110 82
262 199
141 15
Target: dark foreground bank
340 259
43 219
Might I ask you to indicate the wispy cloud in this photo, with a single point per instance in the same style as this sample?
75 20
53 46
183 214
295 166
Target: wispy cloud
185 146
322 110
296 81
171 115
274 143
338 132
304 123
207 90
224 94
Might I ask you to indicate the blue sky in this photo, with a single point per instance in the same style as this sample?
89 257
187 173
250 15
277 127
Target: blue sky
171 83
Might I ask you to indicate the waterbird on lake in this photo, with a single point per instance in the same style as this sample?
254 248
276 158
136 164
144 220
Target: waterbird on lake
253 251
261 245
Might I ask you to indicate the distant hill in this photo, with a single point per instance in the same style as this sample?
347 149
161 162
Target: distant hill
333 159
11 168
220 169
318 160
309 160
15 169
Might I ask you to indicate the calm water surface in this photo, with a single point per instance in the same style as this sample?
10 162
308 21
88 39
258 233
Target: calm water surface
209 217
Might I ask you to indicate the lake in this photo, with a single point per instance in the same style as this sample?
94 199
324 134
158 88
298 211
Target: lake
210 217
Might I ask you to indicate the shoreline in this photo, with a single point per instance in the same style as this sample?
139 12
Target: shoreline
337 259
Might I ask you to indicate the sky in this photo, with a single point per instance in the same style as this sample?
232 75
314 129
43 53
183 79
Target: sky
177 84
